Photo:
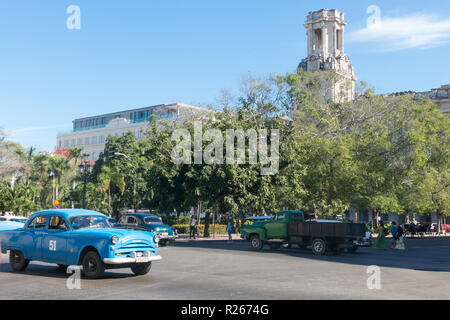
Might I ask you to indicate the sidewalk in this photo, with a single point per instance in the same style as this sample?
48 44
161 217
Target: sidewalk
222 237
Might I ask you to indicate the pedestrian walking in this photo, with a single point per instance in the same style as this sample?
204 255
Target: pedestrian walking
193 227
400 243
381 238
230 229
394 230
237 227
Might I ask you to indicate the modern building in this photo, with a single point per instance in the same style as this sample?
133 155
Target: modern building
325 32
90 133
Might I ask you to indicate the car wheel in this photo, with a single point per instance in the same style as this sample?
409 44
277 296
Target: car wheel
255 242
287 245
17 260
141 269
93 267
319 247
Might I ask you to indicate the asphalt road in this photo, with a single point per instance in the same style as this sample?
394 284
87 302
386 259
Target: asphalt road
223 270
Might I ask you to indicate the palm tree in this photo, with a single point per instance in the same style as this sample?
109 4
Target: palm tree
59 165
107 177
74 154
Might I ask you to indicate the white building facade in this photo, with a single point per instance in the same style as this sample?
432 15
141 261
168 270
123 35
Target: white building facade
90 133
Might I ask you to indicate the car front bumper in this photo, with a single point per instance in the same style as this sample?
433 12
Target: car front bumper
126 260
167 237
363 243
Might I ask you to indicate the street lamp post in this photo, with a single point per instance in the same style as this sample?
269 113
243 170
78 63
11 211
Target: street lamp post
134 176
84 167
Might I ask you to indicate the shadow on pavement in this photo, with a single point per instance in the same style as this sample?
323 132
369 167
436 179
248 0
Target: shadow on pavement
52 271
422 254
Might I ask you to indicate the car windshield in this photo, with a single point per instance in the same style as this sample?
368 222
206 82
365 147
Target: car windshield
94 222
152 220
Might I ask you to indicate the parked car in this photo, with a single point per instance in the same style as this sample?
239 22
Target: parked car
79 237
148 222
13 219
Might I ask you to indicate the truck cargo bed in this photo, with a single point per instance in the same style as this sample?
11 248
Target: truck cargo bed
325 229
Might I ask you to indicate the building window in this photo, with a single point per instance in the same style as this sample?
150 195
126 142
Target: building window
80 142
72 143
86 141
318 39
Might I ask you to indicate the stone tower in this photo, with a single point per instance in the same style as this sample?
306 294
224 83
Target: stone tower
325 31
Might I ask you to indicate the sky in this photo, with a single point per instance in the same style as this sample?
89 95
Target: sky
128 54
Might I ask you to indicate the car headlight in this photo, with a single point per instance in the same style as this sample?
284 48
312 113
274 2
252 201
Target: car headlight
156 238
114 239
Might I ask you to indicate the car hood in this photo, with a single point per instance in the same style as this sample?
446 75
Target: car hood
123 234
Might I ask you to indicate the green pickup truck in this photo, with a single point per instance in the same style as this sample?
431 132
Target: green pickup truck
295 227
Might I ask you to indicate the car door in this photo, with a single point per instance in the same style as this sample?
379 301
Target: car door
36 230
54 243
277 228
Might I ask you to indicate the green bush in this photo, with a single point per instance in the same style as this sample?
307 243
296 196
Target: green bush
184 229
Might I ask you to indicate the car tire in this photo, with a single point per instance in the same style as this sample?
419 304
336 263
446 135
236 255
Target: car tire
93 267
17 260
255 242
319 247
141 269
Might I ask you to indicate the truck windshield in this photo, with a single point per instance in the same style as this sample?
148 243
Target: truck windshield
94 222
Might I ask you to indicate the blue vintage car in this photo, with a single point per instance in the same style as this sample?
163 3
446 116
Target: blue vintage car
148 222
79 237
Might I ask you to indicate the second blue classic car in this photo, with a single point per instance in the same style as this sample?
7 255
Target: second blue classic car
148 222
79 237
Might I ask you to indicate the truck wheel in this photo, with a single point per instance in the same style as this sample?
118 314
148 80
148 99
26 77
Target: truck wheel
17 260
255 242
93 267
319 247
275 246
141 269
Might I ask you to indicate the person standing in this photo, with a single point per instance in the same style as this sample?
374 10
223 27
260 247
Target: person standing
193 227
381 238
